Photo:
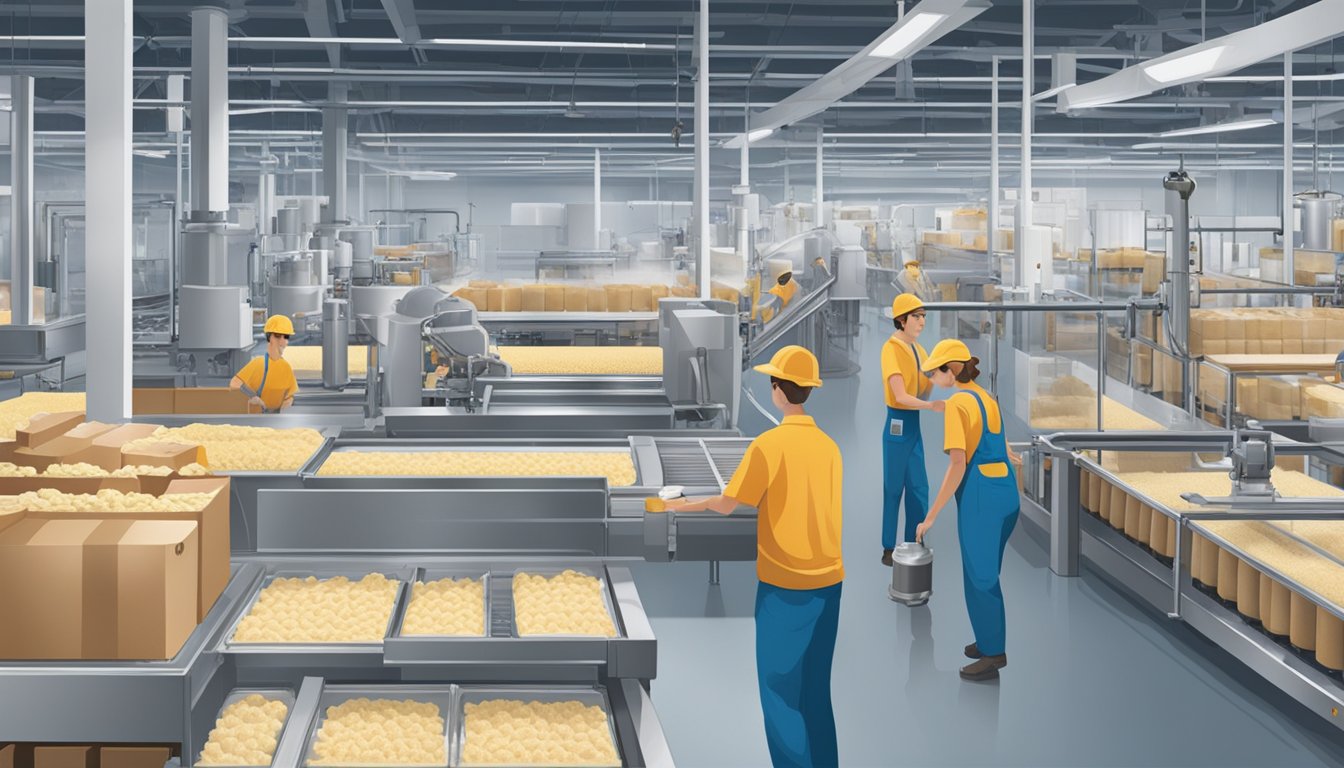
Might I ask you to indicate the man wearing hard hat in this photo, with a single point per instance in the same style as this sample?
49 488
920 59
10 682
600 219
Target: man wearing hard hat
906 391
269 380
792 474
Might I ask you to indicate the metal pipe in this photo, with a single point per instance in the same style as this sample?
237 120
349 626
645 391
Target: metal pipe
209 114
984 306
820 219
993 212
1101 370
702 149
1024 207
335 144
597 198
21 202
1288 226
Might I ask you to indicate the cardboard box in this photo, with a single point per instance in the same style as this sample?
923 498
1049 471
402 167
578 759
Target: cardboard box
576 298
43 427
65 757
157 588
133 757
618 298
555 298
42 587
58 450
13 486
534 298
175 455
210 400
641 298
105 451
597 299
153 400
212 524
511 298
7 756
494 300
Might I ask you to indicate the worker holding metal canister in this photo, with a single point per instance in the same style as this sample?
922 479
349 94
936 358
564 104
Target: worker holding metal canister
906 391
269 380
793 475
980 474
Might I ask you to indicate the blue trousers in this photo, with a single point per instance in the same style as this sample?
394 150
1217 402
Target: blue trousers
903 474
795 642
986 516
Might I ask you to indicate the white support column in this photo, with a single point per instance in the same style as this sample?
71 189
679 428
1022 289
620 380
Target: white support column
335 143
702 149
992 221
107 194
820 216
209 113
21 201
744 173
1288 226
1024 217
597 198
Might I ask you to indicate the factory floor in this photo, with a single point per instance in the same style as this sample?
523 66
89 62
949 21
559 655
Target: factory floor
1093 679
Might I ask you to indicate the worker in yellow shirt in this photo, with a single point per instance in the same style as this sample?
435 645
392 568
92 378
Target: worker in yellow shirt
980 474
269 380
792 474
906 390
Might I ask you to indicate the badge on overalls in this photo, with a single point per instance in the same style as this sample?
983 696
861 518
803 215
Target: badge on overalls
897 428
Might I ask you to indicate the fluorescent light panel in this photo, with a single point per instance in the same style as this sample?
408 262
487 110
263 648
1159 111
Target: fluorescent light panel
1225 127
899 42
757 135
1185 67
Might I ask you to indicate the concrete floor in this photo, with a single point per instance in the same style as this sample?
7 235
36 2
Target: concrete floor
1093 680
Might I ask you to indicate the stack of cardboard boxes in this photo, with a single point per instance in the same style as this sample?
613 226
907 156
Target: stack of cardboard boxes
489 296
1309 267
190 400
127 585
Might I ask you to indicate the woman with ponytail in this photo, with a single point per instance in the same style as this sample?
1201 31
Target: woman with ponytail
980 475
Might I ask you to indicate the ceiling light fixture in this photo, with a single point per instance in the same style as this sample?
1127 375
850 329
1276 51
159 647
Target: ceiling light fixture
157 155
759 134
1245 124
1185 67
1304 28
905 34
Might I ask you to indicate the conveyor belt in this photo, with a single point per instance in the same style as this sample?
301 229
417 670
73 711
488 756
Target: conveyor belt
696 463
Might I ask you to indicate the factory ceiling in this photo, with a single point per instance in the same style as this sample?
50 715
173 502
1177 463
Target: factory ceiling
499 87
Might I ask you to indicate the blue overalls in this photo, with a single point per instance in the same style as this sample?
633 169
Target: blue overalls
987 510
903 471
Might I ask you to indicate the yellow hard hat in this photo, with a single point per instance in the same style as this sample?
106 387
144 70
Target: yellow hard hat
905 304
279 324
796 364
944 352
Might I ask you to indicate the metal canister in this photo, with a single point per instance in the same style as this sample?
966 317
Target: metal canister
911 573
335 344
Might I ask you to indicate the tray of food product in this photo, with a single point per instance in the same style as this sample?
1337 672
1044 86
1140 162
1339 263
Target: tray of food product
388 725
572 601
446 604
294 611
247 729
614 463
531 726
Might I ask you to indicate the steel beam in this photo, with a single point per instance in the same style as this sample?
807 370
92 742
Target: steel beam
21 202
702 149
209 114
402 15
335 146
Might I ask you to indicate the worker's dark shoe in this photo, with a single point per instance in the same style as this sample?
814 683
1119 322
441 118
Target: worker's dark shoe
985 668
886 556
973 651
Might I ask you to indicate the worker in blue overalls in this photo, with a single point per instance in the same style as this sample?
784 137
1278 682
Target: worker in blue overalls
903 386
987 499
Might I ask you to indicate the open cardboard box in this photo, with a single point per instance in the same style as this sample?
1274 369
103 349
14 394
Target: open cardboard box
165 454
213 531
58 450
105 450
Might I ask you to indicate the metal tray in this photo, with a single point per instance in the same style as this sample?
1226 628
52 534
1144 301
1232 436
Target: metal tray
474 695
598 573
229 646
426 575
238 694
442 695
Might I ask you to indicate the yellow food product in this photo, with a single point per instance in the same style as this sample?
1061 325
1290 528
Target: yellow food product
246 733
616 466
446 607
18 410
307 361
633 361
310 610
569 603
107 500
381 732
230 448
518 733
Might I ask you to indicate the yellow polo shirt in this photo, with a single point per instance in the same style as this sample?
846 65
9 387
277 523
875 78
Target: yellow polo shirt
785 292
280 381
792 474
962 423
898 359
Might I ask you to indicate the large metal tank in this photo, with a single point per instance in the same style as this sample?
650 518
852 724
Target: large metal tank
1318 211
